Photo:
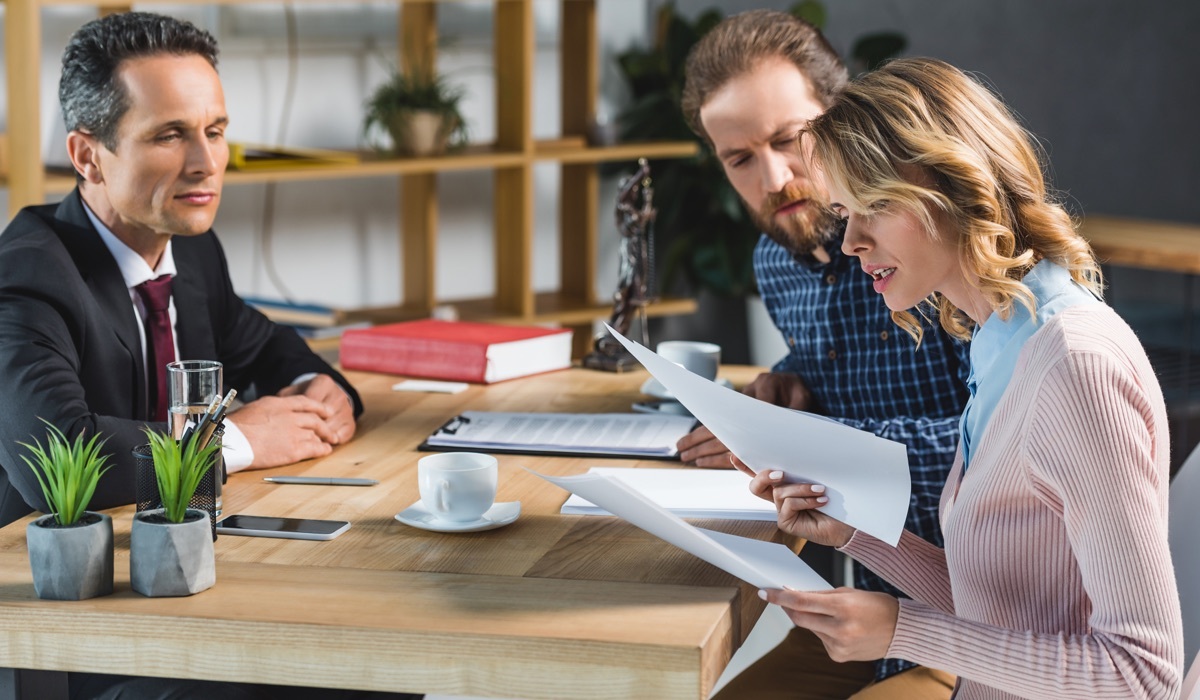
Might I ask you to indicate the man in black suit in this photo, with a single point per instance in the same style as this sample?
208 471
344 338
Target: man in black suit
146 120
81 335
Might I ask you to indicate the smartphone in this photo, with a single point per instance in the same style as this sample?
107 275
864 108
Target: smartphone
286 528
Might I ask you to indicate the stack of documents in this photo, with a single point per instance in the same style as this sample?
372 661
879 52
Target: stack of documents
723 494
761 564
865 476
633 435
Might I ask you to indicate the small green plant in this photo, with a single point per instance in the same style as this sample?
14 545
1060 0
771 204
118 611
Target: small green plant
394 102
179 470
67 471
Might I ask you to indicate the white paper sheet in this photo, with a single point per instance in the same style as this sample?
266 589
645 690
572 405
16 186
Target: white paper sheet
688 493
761 564
866 476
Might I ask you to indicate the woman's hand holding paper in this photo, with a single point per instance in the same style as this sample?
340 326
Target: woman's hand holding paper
796 506
853 625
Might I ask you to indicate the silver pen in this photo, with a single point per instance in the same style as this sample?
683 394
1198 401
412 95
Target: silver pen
320 480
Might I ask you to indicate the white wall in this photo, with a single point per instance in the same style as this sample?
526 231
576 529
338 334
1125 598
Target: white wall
337 242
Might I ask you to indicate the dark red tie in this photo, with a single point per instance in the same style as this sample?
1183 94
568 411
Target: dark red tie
160 343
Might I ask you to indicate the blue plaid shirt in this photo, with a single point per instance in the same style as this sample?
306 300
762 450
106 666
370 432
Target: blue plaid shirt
866 372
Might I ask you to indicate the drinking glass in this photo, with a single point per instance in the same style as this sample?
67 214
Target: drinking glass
192 386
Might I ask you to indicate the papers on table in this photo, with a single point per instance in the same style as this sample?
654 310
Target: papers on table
761 564
599 434
688 493
866 477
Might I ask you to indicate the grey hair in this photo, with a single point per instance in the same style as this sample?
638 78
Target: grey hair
93 100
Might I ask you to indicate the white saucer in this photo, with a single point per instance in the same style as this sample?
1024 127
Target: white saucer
654 388
499 515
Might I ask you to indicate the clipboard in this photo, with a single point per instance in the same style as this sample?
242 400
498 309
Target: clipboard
623 436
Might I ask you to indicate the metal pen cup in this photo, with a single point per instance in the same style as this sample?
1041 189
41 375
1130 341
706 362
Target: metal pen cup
208 492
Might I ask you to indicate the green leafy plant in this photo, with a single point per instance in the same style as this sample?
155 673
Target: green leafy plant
179 470
394 102
708 237
67 471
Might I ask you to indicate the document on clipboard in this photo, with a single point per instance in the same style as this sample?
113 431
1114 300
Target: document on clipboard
627 435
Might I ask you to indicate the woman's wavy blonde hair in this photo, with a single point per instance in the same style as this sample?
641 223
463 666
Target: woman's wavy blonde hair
981 172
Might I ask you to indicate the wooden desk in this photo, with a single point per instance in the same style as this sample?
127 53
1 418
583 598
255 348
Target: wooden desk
1169 247
1153 245
551 606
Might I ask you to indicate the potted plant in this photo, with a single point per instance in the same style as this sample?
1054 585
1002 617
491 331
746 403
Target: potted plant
71 549
171 548
420 111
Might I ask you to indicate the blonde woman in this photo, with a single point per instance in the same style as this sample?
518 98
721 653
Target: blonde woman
1056 579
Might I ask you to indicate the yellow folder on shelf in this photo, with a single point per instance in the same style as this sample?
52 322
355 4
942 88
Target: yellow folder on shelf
244 156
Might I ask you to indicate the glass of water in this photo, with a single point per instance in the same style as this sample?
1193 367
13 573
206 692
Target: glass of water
193 384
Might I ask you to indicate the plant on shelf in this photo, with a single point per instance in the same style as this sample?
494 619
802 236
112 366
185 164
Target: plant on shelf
709 238
171 548
419 109
71 549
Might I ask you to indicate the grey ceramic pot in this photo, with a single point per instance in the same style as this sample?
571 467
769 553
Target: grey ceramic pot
171 559
71 563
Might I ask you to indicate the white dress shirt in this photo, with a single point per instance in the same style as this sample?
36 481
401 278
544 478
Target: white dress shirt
235 448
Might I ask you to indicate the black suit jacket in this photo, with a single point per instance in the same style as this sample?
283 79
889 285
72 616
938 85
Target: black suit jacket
70 347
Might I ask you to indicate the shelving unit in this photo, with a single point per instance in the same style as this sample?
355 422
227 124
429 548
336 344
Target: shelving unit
511 158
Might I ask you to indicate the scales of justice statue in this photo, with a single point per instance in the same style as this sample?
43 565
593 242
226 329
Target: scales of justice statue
636 284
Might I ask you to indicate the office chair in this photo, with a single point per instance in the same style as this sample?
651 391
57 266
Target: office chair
1184 523
1191 682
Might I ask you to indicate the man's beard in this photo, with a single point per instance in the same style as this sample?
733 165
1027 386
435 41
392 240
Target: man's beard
799 233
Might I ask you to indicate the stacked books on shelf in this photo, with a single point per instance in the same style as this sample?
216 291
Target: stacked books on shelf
311 321
457 350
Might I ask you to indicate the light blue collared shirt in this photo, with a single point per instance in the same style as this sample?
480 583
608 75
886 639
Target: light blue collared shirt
996 345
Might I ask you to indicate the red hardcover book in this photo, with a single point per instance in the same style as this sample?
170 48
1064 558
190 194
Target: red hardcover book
457 350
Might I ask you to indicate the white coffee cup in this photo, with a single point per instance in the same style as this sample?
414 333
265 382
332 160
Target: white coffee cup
694 356
457 487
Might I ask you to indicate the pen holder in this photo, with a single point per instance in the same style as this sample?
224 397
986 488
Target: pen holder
208 493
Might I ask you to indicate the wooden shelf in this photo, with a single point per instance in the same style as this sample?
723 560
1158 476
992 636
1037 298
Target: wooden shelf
471 158
576 151
550 307
556 307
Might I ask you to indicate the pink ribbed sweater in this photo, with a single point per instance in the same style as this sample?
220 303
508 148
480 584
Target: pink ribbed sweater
1056 578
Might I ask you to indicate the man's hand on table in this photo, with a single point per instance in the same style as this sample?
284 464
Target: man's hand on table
700 448
285 429
323 389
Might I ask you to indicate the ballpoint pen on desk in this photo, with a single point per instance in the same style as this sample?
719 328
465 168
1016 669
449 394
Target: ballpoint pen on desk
320 480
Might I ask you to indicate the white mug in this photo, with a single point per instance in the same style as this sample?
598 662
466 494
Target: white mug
457 487
694 356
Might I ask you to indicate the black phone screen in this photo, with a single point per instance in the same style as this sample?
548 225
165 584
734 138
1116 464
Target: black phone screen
301 526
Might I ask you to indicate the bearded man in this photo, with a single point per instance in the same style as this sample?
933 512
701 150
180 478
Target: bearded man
752 85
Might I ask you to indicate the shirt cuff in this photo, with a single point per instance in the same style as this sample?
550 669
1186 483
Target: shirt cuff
235 448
